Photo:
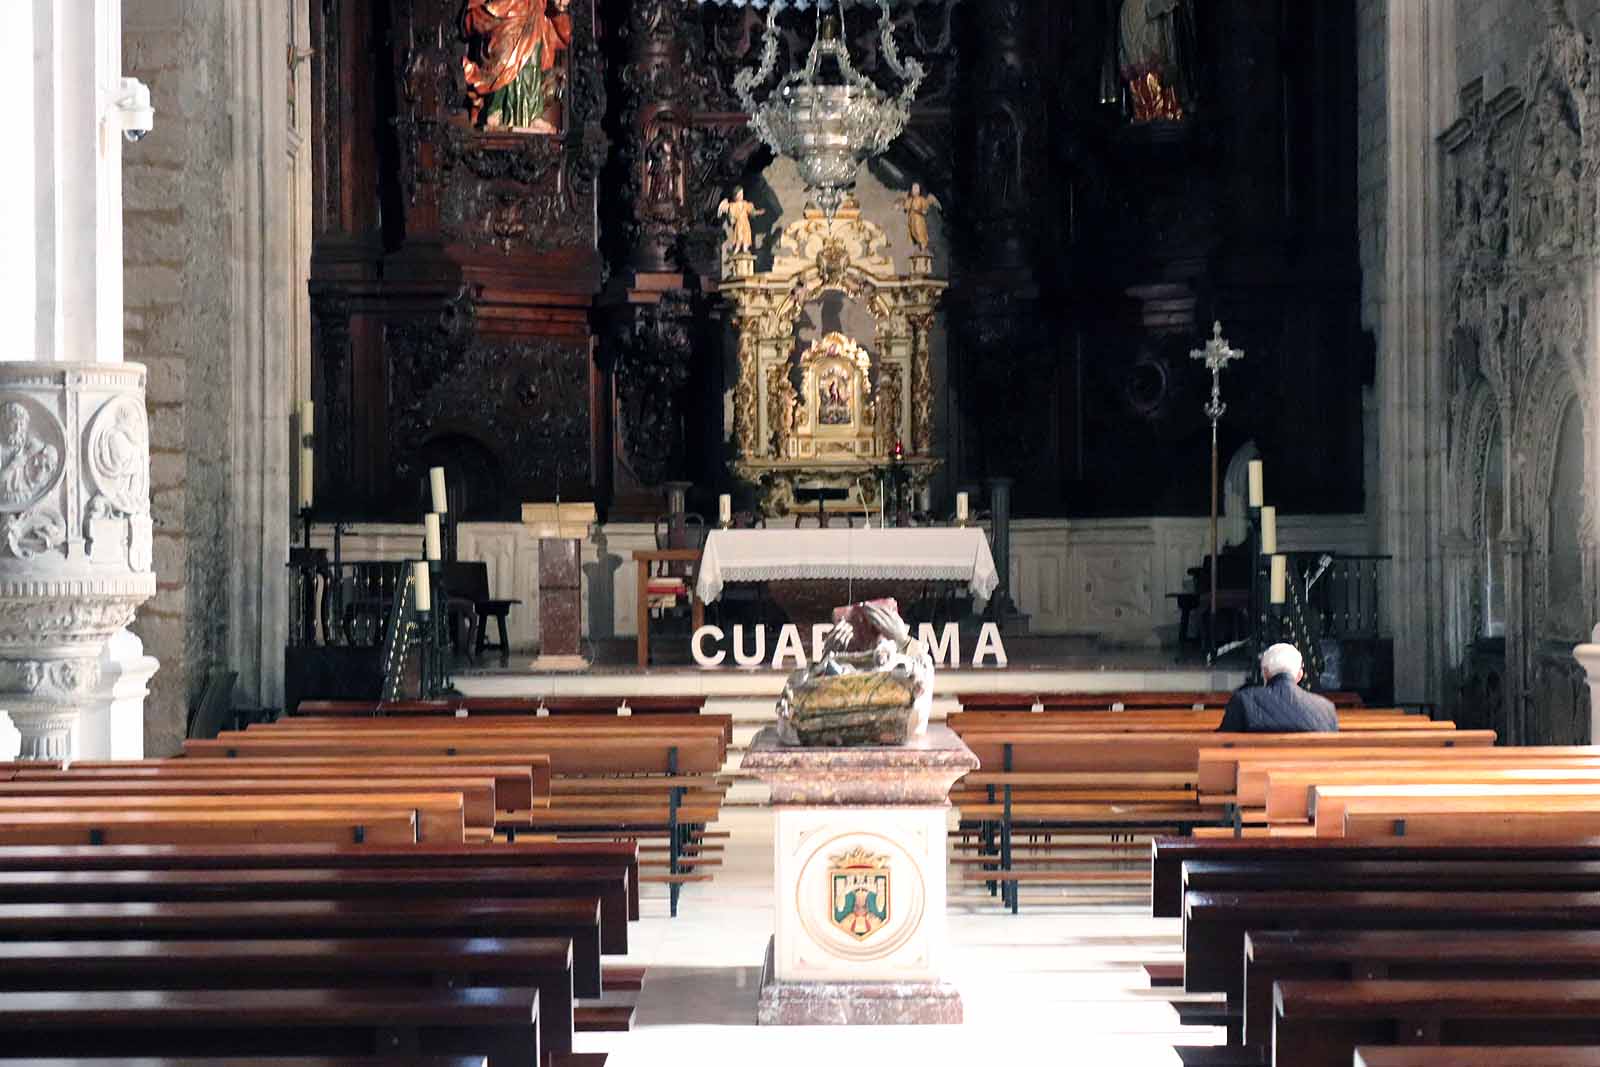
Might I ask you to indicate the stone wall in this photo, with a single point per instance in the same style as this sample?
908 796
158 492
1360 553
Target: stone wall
179 264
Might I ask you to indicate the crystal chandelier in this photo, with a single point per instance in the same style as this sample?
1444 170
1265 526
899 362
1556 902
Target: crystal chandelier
827 116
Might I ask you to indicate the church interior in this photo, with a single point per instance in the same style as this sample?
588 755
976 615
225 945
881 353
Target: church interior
565 533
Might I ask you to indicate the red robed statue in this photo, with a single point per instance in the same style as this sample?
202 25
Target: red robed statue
514 61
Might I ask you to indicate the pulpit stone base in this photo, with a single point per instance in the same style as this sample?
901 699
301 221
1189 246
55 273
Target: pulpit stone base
782 1003
859 876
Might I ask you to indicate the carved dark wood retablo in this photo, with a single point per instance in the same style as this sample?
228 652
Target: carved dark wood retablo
518 250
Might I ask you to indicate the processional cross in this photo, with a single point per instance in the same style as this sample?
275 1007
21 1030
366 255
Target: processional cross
1217 355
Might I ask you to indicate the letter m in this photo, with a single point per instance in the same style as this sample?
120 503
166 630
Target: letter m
944 648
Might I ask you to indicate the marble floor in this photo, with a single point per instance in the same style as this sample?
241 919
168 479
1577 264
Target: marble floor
1060 983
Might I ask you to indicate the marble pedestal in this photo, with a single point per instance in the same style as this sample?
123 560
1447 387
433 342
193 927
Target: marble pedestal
859 841
560 604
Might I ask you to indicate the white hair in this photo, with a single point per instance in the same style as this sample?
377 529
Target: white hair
1281 659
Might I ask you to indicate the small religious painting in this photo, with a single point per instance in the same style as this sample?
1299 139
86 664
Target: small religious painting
859 892
835 389
516 65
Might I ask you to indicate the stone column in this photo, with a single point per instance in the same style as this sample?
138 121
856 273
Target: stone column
75 528
1421 101
1588 657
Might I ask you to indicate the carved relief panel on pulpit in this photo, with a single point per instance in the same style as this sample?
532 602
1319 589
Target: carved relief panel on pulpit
828 412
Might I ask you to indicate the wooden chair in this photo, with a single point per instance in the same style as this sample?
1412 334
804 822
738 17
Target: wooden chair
667 576
468 584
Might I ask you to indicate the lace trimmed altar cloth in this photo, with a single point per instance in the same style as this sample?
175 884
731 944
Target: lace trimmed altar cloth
940 554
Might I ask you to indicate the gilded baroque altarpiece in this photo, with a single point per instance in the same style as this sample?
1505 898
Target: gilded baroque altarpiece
832 413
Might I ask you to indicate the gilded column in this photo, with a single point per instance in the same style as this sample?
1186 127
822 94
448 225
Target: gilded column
746 417
921 384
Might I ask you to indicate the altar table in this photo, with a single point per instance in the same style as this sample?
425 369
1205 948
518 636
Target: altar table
933 554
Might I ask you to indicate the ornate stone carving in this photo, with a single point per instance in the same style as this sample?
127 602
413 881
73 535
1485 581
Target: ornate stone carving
1520 234
74 535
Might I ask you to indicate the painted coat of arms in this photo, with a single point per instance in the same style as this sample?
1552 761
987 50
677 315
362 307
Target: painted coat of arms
858 883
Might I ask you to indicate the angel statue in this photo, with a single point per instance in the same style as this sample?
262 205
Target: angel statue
916 204
738 211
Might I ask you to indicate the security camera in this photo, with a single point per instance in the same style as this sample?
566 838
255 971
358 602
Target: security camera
134 115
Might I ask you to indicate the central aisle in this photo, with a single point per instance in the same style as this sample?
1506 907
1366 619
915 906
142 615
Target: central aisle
1061 981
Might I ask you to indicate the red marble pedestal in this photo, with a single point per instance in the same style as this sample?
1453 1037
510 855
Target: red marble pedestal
560 599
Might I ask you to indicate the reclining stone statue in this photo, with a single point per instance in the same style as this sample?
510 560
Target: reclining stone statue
872 686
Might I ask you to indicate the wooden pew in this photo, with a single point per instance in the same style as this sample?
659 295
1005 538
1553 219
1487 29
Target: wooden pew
571 919
263 826
1019 790
624 855
1168 854
1286 794
438 815
544 964
1320 1023
1115 700
256 1061
477 705
606 884
1334 804
1554 820
1412 955
1227 770
517 786
569 755
477 794
502 1023
1480 1056
1215 923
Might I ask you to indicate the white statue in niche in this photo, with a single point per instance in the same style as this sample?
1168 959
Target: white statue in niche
27 463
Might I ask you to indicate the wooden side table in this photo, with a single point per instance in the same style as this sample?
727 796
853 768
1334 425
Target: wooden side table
644 557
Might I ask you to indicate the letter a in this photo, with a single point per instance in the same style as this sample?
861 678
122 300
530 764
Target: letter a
789 646
989 644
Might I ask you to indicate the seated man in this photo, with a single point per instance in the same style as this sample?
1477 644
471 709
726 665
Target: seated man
1280 706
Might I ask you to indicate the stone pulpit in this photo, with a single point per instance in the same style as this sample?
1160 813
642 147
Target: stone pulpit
560 529
860 868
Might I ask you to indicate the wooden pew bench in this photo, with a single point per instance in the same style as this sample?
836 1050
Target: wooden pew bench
544 964
1411 955
1320 1023
438 816
606 884
1169 854
553 705
1118 700
1215 923
570 919
256 1061
266 825
1480 1056
517 786
1288 792
499 1023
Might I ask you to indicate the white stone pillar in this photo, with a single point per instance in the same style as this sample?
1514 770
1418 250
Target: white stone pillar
75 529
1588 657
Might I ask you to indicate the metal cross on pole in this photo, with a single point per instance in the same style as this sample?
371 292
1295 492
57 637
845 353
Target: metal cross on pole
1217 355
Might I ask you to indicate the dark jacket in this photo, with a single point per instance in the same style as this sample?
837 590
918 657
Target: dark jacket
1279 707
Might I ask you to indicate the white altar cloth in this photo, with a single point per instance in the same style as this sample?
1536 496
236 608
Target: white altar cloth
945 554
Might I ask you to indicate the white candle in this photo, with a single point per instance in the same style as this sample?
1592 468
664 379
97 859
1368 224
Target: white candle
305 477
1257 495
436 483
1269 530
430 536
962 502
307 422
1280 579
419 576
725 509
